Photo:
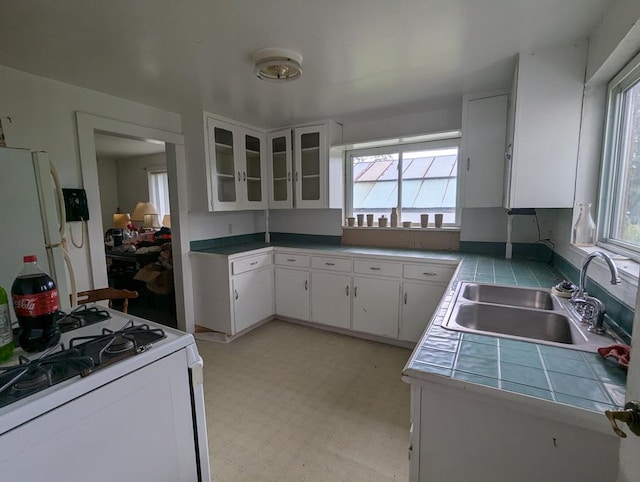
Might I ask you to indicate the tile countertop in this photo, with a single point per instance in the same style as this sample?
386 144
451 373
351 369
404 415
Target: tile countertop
565 376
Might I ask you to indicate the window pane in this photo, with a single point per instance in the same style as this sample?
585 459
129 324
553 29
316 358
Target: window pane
626 218
429 184
159 192
375 184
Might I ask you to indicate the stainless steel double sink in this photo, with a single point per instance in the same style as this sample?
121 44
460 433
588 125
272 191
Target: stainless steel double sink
529 314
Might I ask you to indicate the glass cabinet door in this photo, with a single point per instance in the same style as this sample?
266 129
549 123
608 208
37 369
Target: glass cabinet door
280 169
225 173
253 174
310 166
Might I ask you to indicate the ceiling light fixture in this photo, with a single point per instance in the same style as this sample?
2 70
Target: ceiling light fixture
277 64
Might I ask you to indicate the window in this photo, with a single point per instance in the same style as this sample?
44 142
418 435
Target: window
416 178
159 191
619 213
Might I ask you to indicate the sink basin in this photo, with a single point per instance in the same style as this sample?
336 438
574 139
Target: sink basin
508 295
523 323
527 314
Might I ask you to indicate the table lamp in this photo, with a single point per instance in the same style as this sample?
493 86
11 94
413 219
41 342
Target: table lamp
121 220
166 221
147 214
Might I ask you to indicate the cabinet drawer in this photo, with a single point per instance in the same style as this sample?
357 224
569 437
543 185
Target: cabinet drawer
288 259
248 264
377 268
332 264
428 272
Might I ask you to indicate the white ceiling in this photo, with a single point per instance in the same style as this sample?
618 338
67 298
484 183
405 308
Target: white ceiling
362 58
115 147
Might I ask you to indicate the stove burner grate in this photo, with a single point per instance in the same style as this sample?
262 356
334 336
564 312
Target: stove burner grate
112 346
50 368
80 316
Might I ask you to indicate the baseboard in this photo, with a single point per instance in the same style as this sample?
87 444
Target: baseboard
219 337
344 331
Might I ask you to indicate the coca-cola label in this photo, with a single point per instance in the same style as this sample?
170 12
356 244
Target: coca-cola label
36 304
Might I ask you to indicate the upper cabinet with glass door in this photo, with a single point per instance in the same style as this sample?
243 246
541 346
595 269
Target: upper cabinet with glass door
253 173
280 169
318 170
235 166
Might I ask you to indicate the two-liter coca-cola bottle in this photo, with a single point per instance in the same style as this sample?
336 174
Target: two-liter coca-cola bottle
35 302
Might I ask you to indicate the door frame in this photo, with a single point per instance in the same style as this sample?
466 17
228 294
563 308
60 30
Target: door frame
88 125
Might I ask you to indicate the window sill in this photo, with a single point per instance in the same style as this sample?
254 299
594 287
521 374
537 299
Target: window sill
629 270
402 228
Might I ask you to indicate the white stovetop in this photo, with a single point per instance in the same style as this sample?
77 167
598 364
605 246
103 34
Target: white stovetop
26 409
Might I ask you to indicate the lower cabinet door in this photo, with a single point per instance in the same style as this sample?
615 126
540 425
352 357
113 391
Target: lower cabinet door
292 293
331 299
419 302
252 298
375 306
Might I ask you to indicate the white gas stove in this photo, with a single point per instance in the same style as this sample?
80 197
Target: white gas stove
123 395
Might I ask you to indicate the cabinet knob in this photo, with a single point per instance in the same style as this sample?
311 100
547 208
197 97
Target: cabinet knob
291 260
468 163
297 176
347 290
306 285
355 291
236 294
630 415
289 176
238 176
428 273
405 298
244 176
330 264
375 268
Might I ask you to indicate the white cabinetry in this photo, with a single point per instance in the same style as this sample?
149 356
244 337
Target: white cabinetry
235 166
504 440
483 140
292 293
419 302
252 298
542 156
331 299
375 306
232 294
303 172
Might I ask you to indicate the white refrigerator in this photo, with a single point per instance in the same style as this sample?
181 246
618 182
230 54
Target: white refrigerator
32 219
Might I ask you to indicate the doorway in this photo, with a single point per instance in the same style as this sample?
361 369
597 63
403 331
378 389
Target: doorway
132 178
90 125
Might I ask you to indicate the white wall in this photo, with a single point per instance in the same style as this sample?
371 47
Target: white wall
108 184
133 183
490 225
305 221
43 118
442 118
204 225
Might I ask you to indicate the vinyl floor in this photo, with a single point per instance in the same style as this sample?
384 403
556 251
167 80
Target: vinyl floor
287 402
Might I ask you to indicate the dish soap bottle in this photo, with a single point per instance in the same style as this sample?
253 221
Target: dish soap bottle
6 335
394 217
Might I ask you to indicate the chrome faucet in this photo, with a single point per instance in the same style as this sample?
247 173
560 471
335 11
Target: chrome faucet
591 308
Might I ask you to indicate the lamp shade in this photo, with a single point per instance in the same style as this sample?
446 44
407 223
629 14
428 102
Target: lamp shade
166 221
147 214
121 220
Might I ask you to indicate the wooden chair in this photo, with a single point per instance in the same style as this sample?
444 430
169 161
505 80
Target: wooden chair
107 294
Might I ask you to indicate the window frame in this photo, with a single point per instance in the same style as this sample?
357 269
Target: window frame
400 148
628 77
